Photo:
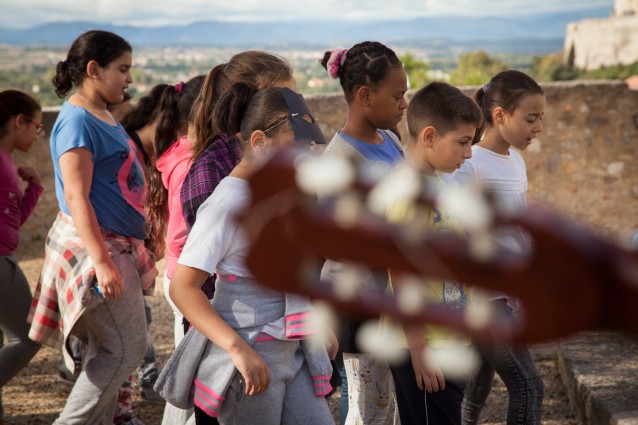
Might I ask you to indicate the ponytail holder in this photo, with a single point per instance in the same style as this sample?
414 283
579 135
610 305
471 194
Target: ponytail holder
337 58
486 86
179 87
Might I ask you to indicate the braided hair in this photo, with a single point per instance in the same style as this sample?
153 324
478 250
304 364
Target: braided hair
365 63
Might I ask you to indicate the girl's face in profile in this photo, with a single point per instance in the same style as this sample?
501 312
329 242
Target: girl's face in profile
387 99
115 78
522 125
281 140
31 130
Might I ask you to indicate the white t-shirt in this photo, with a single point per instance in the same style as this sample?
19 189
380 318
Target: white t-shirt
504 177
216 243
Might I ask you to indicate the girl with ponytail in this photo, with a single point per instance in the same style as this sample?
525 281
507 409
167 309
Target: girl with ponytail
513 107
374 84
254 362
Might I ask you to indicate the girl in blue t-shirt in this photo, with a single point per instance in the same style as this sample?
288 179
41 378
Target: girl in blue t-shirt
374 83
96 264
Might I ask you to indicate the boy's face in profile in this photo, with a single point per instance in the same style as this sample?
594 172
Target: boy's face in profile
447 152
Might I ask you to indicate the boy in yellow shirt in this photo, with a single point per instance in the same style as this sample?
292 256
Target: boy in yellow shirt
442 122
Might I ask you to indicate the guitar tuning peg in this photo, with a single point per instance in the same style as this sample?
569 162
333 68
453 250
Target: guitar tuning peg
401 185
324 175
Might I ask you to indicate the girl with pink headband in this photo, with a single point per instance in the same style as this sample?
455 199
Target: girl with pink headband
374 84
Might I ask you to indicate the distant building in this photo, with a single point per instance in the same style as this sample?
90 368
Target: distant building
626 7
592 43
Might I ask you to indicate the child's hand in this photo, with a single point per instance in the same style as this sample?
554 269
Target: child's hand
109 280
427 375
332 344
29 174
253 369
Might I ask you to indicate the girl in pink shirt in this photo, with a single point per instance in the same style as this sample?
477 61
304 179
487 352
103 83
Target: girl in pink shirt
164 209
173 150
20 125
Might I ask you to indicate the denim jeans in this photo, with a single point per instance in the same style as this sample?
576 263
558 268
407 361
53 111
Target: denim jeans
148 369
515 366
343 401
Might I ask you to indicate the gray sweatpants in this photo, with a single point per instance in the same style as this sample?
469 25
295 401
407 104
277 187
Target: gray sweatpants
116 332
15 301
290 397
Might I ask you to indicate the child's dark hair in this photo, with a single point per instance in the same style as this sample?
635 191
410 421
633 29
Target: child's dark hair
100 46
145 110
173 114
365 64
443 107
505 90
247 109
14 103
253 67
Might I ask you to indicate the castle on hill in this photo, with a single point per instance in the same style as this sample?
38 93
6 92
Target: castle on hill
593 43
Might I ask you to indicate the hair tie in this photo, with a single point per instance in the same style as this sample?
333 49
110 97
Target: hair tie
337 58
486 86
179 87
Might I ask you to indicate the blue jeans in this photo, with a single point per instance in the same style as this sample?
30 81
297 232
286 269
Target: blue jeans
515 366
343 400
148 370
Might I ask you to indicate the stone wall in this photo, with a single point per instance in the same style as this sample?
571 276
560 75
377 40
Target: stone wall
585 162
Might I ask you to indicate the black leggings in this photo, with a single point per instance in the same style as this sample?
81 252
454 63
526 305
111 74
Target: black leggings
201 418
418 407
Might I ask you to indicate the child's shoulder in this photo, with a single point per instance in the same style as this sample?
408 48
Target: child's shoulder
72 118
70 112
336 142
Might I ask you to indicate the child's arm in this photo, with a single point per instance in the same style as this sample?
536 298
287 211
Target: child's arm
33 192
427 374
185 292
332 344
76 166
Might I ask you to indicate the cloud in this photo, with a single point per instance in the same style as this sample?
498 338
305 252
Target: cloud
28 13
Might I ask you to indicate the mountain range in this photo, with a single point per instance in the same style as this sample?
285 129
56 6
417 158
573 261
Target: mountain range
531 33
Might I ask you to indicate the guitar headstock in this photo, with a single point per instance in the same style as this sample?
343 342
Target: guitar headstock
572 280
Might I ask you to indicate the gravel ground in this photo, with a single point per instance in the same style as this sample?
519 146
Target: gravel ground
36 396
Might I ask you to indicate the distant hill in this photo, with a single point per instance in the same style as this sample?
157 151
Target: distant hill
536 33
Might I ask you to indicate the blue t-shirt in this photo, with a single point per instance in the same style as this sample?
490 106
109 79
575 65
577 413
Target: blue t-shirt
387 152
118 188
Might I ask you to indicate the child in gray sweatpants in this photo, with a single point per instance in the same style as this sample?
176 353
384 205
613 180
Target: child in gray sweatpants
116 333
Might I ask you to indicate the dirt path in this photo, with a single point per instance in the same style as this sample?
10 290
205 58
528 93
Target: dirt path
36 396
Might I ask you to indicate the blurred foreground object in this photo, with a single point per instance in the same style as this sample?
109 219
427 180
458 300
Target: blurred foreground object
572 281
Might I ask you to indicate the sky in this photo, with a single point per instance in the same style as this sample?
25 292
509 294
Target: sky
29 13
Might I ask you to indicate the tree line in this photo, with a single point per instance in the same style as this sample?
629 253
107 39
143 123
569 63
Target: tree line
474 68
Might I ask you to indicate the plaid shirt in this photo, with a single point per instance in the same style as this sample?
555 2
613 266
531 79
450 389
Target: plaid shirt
217 161
63 292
